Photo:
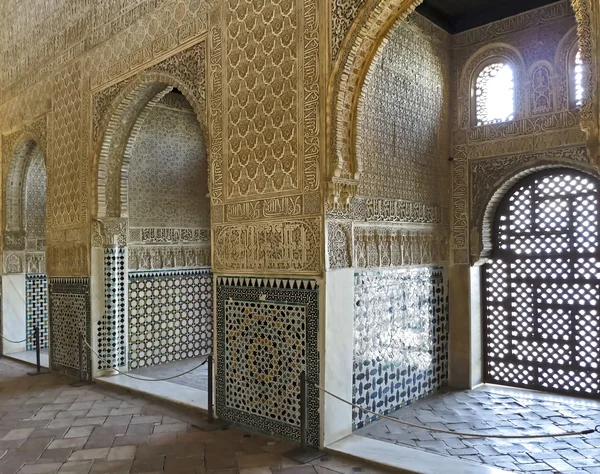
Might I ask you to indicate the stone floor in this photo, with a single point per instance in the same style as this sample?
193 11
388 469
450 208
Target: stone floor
197 379
499 410
47 426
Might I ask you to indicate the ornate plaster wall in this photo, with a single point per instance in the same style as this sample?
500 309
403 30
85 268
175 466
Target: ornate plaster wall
168 206
264 102
546 129
399 215
254 73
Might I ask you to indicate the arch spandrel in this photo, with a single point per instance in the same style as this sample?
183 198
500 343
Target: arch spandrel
481 240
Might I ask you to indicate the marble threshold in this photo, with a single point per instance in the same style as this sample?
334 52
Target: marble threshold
178 394
29 357
404 459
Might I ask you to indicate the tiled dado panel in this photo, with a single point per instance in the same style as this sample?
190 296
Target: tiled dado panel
400 339
112 326
267 333
69 313
36 303
170 316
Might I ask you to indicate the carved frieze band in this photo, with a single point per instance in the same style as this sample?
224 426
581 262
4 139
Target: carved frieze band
395 210
164 235
290 245
152 257
501 28
109 231
24 262
288 206
382 246
373 246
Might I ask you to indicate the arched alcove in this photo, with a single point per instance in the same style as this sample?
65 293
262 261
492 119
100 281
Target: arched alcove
25 291
152 234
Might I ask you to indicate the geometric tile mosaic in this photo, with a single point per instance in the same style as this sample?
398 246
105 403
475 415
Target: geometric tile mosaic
36 303
267 334
112 330
69 313
170 316
400 339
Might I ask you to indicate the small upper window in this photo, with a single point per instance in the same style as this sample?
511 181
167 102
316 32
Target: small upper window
578 80
495 94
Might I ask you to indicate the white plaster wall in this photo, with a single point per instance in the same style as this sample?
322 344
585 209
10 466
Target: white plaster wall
337 324
476 328
13 312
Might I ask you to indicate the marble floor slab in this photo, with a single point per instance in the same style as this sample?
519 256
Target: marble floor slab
197 379
179 394
30 357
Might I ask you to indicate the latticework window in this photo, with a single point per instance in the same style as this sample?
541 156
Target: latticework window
542 286
495 94
578 80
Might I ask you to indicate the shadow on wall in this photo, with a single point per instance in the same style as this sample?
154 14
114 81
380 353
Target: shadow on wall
400 339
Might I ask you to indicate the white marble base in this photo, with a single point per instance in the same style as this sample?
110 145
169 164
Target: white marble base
13 312
30 357
402 459
178 394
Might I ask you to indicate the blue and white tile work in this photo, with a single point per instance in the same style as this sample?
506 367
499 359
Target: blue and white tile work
36 313
112 330
170 316
69 314
267 334
400 339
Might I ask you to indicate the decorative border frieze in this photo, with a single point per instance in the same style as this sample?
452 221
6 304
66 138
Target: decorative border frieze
290 245
286 206
395 210
498 29
386 246
168 235
150 257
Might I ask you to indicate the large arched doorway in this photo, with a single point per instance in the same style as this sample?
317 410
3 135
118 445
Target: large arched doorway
541 290
24 282
154 220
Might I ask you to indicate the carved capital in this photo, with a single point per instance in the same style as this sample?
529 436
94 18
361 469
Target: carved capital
340 193
109 231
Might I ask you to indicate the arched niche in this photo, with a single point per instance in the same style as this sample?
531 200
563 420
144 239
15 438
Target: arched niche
351 67
151 226
123 123
25 203
25 291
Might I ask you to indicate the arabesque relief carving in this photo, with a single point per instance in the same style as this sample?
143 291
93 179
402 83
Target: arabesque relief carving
547 129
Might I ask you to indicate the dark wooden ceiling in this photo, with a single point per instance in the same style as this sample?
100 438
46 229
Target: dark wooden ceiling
461 15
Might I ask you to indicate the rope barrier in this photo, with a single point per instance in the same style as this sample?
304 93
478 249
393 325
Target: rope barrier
14 342
147 379
457 433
